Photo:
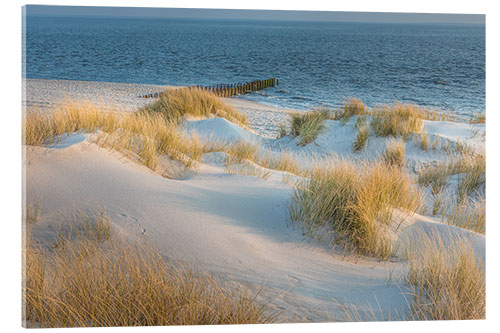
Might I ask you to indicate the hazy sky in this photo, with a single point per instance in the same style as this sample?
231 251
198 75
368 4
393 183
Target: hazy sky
254 14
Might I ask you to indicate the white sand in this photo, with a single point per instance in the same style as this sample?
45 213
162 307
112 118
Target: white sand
233 225
47 93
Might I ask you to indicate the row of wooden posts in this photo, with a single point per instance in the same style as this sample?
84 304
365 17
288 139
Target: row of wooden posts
228 90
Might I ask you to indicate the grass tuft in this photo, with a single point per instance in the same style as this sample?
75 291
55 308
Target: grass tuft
471 167
394 154
361 138
242 150
174 104
424 141
479 118
352 107
474 176
356 203
448 283
469 214
43 127
82 226
307 126
282 131
397 120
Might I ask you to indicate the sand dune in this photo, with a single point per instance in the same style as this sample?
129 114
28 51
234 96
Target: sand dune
232 225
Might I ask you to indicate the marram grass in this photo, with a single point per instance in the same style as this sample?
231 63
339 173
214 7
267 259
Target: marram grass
98 282
177 103
355 201
142 136
307 126
448 281
394 154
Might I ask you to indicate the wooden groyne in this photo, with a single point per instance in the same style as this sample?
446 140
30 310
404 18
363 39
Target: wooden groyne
228 90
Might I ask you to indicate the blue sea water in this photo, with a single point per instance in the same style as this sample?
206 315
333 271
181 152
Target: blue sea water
317 63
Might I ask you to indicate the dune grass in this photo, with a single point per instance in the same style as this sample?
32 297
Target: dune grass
177 103
465 205
246 168
43 127
435 176
282 131
92 280
308 125
471 167
468 214
479 118
242 150
142 136
282 161
424 141
361 138
397 120
352 107
356 202
394 154
83 226
474 176
146 137
448 282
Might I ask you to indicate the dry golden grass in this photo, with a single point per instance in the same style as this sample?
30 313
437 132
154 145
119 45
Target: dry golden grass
308 125
473 168
394 154
448 282
141 136
283 161
242 150
355 201
468 214
45 127
148 137
92 282
436 177
282 131
361 139
397 120
246 168
478 119
466 209
352 107
474 177
80 225
177 103
424 141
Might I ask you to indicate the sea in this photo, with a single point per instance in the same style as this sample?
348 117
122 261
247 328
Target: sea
439 66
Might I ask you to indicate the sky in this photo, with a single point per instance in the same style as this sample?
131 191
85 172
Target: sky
286 15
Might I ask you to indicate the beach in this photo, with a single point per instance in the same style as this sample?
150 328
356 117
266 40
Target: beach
232 223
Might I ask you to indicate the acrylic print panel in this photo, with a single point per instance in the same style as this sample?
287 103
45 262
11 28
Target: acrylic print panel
197 166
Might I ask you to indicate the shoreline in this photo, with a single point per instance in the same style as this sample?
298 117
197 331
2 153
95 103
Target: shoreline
46 93
120 92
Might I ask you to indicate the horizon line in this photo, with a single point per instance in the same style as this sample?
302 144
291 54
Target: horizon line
252 14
